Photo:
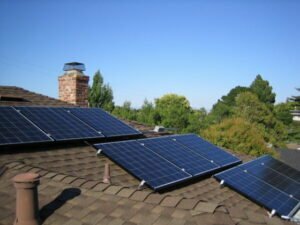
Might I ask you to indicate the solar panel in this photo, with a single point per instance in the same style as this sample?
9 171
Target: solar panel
260 169
261 181
15 129
207 150
103 122
58 123
144 164
163 159
181 156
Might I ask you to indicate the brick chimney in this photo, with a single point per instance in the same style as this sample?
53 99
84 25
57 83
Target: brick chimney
73 84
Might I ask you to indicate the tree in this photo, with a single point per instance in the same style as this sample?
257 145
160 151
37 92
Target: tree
100 94
283 112
295 99
238 135
147 114
173 111
263 90
251 109
126 111
196 121
223 108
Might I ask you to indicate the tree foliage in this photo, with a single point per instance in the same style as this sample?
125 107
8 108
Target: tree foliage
100 94
126 111
263 90
147 114
173 111
238 135
249 107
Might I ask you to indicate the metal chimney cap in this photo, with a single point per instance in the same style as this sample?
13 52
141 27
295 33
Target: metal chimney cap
74 66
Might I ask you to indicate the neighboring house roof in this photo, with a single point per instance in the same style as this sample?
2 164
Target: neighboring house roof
11 95
72 191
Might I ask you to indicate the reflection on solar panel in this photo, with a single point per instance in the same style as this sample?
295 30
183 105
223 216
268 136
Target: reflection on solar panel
179 155
15 129
179 158
58 123
207 150
145 165
268 182
103 122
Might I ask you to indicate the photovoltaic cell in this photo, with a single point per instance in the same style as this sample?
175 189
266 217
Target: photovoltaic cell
159 161
58 123
263 170
259 191
207 150
181 156
103 122
268 182
15 129
144 164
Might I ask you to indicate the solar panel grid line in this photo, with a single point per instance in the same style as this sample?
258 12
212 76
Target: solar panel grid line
75 117
281 168
58 123
103 122
208 150
33 124
244 170
16 129
111 115
142 163
180 156
273 177
259 191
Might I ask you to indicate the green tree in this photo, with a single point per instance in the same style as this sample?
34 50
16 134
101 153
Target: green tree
196 121
263 90
239 135
283 112
251 109
223 108
100 94
126 111
173 111
295 99
147 114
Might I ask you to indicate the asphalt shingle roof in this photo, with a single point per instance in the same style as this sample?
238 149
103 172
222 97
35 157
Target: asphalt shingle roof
72 191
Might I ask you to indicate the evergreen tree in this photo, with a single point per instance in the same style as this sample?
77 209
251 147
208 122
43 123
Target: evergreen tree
263 90
100 94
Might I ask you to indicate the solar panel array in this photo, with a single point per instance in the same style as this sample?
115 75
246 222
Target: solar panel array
267 181
14 128
23 125
164 161
103 122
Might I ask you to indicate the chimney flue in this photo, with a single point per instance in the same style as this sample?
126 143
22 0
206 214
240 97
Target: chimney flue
73 84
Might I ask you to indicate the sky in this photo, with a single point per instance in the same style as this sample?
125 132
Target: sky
145 49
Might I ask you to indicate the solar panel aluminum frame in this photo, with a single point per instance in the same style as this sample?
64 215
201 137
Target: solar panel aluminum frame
51 140
203 173
157 188
223 182
138 133
18 108
234 163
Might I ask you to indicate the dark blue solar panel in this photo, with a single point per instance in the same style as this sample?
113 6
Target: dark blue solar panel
144 164
181 156
280 167
259 191
58 123
103 122
15 129
207 150
268 182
